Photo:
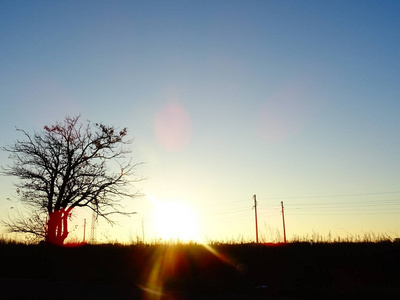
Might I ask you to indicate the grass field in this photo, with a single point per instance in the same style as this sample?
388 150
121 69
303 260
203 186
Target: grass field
297 270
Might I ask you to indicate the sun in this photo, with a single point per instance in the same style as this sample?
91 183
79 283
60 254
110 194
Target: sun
175 221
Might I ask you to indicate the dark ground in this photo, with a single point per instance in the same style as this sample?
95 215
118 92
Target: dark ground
248 271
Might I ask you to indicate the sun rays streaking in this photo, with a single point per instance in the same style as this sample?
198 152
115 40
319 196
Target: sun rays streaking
176 267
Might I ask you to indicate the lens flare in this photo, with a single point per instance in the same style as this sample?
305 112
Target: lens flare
172 127
173 267
288 111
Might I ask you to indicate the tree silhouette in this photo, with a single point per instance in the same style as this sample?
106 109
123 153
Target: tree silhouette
65 166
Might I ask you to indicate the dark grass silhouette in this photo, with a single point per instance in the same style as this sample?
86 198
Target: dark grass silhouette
192 271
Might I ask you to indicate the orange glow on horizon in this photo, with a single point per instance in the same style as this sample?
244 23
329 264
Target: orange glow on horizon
175 221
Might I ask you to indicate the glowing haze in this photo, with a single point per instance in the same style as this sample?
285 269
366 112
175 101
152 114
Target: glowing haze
294 101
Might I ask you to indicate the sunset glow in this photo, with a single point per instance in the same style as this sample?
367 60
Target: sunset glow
291 101
197 149
175 221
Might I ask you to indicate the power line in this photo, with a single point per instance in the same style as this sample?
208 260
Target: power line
344 214
213 204
331 196
338 208
332 206
231 211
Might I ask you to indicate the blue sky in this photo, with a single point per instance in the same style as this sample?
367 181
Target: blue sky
225 99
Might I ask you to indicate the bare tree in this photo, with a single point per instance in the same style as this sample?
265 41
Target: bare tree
34 225
65 166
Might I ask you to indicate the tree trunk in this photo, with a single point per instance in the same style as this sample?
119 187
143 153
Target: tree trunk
57 227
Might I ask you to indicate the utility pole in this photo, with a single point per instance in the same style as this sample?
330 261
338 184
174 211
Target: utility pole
84 229
255 213
93 227
142 231
283 219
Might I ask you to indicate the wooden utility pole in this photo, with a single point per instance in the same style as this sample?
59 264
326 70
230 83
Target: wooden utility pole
283 219
84 229
142 231
255 213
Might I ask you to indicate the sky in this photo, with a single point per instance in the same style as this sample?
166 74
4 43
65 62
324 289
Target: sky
292 101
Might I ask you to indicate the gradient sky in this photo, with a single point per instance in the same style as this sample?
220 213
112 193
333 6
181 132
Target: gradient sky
294 101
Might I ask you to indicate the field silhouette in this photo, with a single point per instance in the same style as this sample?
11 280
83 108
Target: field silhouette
300 270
